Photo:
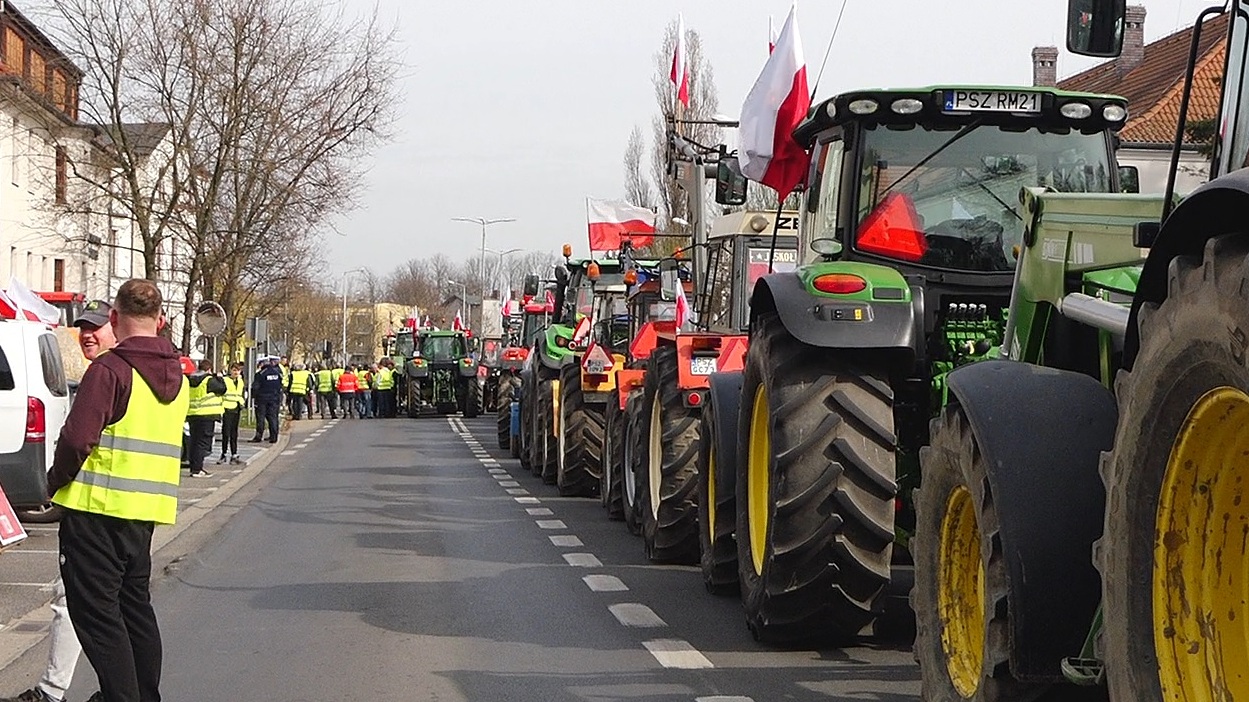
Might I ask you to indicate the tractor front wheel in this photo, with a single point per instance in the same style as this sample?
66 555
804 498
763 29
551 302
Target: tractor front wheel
580 438
670 524
1172 558
503 411
717 492
815 487
472 398
960 594
634 447
611 475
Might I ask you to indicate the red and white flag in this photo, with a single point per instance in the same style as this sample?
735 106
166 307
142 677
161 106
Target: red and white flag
613 221
20 302
684 313
680 73
458 323
771 35
776 104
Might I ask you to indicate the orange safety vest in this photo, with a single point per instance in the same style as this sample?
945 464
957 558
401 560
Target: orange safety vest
347 382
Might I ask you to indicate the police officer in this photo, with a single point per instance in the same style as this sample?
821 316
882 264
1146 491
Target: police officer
115 472
267 394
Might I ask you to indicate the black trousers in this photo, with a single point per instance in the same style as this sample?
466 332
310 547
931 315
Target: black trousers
267 413
106 564
202 430
385 403
230 432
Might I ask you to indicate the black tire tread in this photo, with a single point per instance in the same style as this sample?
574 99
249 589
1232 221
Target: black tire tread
583 438
671 536
717 551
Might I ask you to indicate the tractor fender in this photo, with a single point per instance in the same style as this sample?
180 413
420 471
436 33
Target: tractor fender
811 318
415 370
1214 209
726 400
467 371
1041 432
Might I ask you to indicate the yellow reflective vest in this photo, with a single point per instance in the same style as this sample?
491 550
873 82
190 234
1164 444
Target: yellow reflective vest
233 399
132 473
286 373
385 379
325 381
298 384
204 403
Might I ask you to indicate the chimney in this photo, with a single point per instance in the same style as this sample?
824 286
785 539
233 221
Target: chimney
1133 40
1045 66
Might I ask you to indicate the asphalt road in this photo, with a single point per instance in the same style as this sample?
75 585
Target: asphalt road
410 560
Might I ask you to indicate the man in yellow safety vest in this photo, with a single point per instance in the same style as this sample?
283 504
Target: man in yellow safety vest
206 408
115 472
232 404
327 396
298 384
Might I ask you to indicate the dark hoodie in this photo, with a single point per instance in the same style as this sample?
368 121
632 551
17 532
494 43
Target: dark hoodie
104 394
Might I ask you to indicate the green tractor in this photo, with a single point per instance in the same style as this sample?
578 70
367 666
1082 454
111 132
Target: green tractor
539 391
441 376
1082 514
913 217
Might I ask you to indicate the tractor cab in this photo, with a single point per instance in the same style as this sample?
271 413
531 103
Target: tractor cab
442 347
741 250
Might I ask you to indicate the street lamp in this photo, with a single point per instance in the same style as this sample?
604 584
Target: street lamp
506 278
463 299
483 222
346 358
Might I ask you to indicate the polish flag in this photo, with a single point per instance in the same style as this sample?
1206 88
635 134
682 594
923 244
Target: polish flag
20 302
684 313
458 323
680 73
771 35
776 104
612 221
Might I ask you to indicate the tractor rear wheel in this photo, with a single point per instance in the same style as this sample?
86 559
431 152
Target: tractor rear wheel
547 462
472 398
1172 558
960 594
611 477
634 444
670 524
503 411
717 496
525 439
815 487
580 438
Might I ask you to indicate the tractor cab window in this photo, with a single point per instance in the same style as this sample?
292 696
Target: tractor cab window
613 321
584 302
531 328
717 307
949 198
404 345
823 225
437 349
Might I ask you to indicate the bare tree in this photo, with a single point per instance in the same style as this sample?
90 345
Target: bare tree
638 189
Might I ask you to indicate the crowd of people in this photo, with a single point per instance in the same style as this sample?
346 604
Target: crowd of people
351 391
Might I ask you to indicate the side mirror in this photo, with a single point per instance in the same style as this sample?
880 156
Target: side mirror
669 279
826 246
1095 27
1129 179
531 285
1145 233
731 185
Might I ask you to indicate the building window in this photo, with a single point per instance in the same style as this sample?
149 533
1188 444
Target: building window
58 274
62 175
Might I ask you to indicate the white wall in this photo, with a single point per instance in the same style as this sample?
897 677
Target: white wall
1154 164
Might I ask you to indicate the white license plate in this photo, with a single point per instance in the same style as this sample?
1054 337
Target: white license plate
991 101
703 365
596 368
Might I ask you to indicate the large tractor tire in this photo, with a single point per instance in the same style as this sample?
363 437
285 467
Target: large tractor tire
503 411
472 398
815 488
580 438
717 487
545 440
414 398
611 475
670 524
632 471
1172 558
525 439
960 594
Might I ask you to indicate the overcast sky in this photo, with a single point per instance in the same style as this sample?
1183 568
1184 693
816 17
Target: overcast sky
522 108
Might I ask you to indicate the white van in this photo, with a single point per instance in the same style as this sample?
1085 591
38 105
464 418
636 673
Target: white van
34 401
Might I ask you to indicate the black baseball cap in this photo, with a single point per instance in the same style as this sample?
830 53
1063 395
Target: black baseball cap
95 313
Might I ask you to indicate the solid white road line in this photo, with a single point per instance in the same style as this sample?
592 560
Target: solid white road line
674 653
539 511
556 539
551 524
583 560
605 583
528 500
723 698
18 550
636 615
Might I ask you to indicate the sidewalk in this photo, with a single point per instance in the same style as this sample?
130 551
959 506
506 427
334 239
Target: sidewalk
28 569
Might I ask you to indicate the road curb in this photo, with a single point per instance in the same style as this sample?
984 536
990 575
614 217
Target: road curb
24 632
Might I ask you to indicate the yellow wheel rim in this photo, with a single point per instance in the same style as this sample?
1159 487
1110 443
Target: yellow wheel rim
1200 572
711 494
757 478
960 593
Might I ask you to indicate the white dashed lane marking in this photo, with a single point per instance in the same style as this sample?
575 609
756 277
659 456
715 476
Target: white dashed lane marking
583 560
497 471
539 511
551 524
636 615
517 491
674 653
565 540
723 698
528 500
605 583
508 483
289 452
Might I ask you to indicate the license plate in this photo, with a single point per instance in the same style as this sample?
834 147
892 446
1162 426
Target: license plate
596 368
991 101
703 365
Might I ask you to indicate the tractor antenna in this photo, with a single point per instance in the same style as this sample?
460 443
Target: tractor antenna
828 50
